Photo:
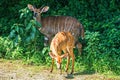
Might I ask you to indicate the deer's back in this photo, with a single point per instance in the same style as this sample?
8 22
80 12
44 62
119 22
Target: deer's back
61 41
55 24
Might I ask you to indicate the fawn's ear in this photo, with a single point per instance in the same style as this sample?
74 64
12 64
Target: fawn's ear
30 7
45 9
52 55
64 55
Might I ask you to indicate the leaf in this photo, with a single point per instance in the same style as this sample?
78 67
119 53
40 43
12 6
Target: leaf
17 38
21 31
38 24
32 36
28 26
45 49
12 34
34 29
13 26
17 28
28 39
21 16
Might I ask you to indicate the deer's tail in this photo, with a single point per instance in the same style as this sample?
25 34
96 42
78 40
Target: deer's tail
82 31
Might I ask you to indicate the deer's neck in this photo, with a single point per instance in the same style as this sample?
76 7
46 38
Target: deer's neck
38 18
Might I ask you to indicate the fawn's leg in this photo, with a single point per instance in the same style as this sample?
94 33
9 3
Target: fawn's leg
52 65
68 59
73 59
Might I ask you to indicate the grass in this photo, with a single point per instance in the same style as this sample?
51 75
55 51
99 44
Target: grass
17 65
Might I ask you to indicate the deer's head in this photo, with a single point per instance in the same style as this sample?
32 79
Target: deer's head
37 11
58 59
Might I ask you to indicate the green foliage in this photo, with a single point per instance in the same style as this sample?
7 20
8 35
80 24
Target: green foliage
5 46
95 59
101 20
7 49
26 30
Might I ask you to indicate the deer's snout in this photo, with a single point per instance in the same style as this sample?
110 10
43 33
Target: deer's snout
58 66
35 15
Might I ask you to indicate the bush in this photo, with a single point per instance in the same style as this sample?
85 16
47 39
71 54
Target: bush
101 54
7 49
5 46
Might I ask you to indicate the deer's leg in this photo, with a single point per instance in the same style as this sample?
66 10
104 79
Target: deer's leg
79 46
50 37
49 40
61 69
73 59
52 65
68 59
46 41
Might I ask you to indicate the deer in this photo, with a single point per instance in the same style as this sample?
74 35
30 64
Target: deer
63 41
54 24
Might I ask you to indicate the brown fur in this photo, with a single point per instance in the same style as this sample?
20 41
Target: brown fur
63 41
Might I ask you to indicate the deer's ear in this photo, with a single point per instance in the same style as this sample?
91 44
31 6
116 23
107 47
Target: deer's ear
64 55
30 7
45 9
52 55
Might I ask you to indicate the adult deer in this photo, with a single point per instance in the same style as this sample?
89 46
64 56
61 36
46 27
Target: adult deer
54 24
63 41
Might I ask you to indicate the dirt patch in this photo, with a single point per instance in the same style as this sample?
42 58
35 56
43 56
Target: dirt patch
15 70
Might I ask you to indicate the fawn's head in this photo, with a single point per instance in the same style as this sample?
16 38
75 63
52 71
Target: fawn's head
58 59
37 11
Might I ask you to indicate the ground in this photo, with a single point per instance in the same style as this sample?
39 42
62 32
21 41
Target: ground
16 70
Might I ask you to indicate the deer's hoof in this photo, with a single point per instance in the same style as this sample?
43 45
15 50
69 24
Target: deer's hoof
66 70
50 71
71 72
